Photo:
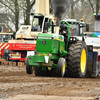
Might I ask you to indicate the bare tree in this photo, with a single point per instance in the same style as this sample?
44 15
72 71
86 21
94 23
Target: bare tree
19 9
16 14
26 7
73 3
95 6
10 4
72 9
29 5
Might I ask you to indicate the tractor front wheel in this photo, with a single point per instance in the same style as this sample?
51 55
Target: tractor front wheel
61 67
29 68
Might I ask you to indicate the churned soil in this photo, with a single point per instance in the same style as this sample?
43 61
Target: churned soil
16 84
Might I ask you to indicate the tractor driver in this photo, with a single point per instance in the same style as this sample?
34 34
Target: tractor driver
64 31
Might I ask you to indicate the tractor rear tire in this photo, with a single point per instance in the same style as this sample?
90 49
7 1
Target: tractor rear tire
77 60
61 67
39 71
29 68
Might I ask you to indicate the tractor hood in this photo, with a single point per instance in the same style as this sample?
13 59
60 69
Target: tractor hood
50 36
50 43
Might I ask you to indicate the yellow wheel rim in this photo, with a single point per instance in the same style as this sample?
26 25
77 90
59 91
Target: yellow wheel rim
32 67
83 60
49 68
64 68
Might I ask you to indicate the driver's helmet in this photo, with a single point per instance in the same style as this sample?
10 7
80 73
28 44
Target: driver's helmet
62 26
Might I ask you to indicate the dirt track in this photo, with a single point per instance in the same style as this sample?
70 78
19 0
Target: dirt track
18 85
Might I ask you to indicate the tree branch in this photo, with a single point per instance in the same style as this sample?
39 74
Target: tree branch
7 6
76 1
91 5
31 5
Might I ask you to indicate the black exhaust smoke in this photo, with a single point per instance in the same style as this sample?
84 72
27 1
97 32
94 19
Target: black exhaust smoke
59 7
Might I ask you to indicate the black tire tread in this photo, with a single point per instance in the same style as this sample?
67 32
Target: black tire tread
39 71
61 61
28 67
73 59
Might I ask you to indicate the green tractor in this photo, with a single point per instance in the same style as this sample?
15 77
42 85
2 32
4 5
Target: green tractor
55 56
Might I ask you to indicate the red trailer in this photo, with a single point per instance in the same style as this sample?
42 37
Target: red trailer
19 51
2 47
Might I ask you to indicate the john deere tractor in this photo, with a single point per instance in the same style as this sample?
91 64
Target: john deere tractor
51 56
